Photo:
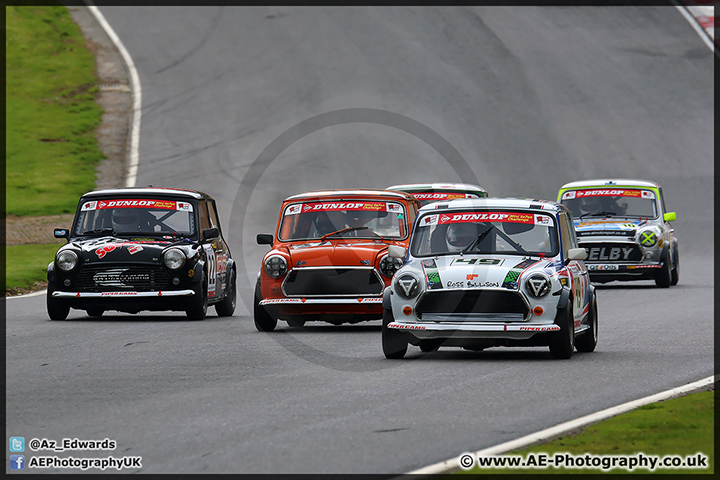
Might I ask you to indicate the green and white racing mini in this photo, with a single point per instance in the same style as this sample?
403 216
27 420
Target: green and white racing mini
625 228
491 272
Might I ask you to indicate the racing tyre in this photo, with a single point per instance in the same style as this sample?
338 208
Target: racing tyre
563 341
663 277
430 345
296 322
264 322
199 302
675 272
227 306
588 340
95 312
394 344
57 309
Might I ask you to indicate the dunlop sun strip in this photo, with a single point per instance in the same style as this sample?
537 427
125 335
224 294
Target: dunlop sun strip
514 273
432 274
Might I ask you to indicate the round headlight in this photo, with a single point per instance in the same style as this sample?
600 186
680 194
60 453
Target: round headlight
67 260
390 265
407 286
538 285
648 237
174 259
275 266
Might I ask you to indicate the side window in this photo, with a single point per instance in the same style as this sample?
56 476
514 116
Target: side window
567 234
204 216
662 201
214 222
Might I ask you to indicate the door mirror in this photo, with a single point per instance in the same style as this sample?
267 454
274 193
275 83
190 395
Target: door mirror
210 233
61 233
264 239
395 251
670 216
576 254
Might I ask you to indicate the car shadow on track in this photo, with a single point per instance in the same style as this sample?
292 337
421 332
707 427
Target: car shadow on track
454 354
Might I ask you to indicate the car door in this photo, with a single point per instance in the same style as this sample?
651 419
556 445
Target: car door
579 280
220 252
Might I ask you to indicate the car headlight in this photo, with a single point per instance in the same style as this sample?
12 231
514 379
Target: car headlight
407 286
390 265
275 266
538 285
648 237
67 260
174 258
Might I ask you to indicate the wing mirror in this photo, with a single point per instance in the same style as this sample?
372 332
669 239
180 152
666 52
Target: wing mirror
670 216
576 254
210 233
396 251
61 233
264 239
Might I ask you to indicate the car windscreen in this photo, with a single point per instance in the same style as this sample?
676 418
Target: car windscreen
485 231
134 216
611 202
439 196
352 218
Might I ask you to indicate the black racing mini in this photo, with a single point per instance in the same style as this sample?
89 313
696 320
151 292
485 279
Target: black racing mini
133 249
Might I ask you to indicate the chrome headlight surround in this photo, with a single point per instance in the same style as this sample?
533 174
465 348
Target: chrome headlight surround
174 258
66 260
648 237
390 265
538 285
407 286
275 266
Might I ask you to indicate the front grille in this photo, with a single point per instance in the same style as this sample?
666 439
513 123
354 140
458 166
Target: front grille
333 282
107 278
472 301
612 252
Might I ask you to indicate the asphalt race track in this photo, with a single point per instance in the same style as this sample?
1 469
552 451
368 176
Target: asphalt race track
252 105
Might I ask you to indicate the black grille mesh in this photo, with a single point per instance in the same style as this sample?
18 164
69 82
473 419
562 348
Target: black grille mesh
333 281
107 278
472 301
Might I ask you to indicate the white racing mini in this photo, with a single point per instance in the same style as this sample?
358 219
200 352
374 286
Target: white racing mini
491 272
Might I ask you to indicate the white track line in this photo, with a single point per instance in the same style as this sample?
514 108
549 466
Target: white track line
131 173
28 295
704 35
453 464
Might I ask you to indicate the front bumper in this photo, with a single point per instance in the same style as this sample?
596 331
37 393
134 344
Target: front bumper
479 331
159 293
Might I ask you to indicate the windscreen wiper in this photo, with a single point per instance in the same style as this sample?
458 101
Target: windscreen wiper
344 230
598 214
100 231
477 240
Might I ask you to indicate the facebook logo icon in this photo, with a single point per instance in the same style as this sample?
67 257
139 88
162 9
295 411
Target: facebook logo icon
17 444
17 462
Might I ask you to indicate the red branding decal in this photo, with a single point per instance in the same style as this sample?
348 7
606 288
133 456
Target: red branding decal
443 195
471 276
102 251
608 192
145 203
353 206
506 217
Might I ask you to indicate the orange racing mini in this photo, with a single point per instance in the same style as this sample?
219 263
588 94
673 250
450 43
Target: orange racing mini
329 258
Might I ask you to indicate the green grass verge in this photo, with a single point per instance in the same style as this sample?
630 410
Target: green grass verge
50 113
26 265
679 427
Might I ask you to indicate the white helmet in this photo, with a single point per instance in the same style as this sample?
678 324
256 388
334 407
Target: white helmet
125 220
459 236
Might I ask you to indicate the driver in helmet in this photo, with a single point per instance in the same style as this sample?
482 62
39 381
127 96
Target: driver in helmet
460 235
129 220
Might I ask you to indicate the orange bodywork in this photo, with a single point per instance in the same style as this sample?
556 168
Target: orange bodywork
337 278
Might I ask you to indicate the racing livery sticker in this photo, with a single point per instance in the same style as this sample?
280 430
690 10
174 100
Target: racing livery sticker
359 205
473 217
477 261
511 279
137 203
438 196
432 274
609 192
212 269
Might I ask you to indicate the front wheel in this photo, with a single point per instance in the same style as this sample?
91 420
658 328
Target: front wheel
588 340
57 309
227 306
394 344
199 302
562 341
663 277
675 273
264 322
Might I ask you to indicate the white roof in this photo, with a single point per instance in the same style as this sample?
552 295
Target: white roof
356 192
495 202
145 191
422 187
624 182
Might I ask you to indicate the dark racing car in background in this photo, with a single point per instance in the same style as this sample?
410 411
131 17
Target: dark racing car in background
436 192
133 249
